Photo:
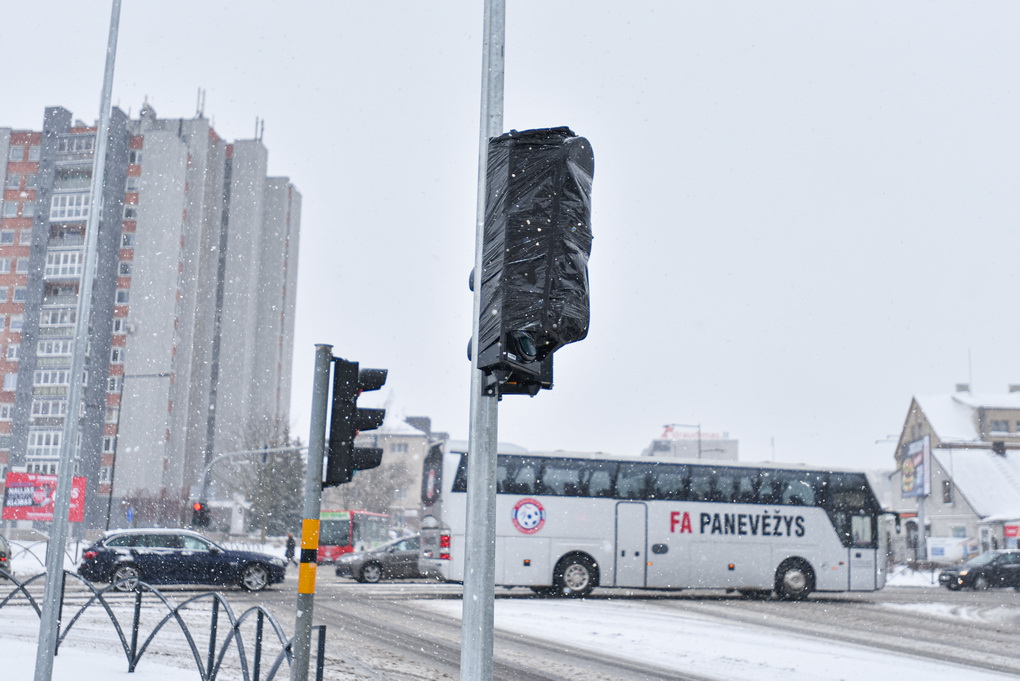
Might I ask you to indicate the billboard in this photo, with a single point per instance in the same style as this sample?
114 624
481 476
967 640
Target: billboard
30 496
915 465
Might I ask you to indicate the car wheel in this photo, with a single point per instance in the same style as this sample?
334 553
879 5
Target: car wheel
575 577
980 583
794 581
255 577
125 578
953 586
371 573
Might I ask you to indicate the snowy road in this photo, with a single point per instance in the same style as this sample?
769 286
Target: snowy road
404 631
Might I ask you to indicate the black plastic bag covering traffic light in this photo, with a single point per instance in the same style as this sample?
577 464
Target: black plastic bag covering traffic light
537 239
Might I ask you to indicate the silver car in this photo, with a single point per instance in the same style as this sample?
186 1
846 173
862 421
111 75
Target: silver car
398 558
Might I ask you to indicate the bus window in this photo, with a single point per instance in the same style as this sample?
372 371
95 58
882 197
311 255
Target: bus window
745 487
770 489
802 488
669 482
516 475
597 479
862 531
632 481
701 483
561 477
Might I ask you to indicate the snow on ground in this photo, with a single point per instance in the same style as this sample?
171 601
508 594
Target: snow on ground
901 575
80 664
706 646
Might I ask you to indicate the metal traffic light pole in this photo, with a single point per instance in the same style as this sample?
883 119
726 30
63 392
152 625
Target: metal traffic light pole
49 618
480 561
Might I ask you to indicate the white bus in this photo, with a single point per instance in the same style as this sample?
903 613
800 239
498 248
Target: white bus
567 522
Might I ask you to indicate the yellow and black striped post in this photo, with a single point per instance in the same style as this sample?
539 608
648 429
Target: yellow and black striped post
301 644
309 556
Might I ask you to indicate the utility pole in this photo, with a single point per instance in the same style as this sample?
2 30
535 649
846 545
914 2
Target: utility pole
301 644
49 620
480 561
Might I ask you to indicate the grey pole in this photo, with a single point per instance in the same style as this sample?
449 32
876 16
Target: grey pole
49 621
301 644
480 561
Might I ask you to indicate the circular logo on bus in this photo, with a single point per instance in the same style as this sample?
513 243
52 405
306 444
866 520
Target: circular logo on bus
528 516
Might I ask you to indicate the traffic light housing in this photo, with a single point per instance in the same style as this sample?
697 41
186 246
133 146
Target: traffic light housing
347 420
199 514
537 239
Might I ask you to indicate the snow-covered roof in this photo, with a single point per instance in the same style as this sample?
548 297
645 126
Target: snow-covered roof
989 481
951 416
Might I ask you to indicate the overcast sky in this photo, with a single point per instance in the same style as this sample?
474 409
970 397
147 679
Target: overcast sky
804 213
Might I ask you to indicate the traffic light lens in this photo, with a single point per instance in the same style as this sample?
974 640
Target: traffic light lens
197 506
524 345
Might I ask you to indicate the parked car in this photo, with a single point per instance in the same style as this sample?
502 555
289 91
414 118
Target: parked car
175 556
991 569
5 554
398 558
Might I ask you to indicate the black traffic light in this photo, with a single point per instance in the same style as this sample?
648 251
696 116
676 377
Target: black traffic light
199 514
537 239
347 420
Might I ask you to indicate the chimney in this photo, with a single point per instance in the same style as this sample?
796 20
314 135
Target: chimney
963 387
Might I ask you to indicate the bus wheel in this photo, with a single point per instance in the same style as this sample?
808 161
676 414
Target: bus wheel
794 580
575 577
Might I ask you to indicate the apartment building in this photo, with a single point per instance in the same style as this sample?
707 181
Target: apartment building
192 310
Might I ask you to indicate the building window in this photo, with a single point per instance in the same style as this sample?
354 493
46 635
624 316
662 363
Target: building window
110 444
5 265
116 355
46 377
947 491
64 264
20 294
17 322
104 474
399 447
959 531
998 426
33 153
54 348
130 212
132 183
134 156
10 211
127 240
119 324
76 144
43 443
113 384
28 210
12 352
125 268
13 181
123 296
6 409
31 181
49 408
16 153
22 263
10 382
58 317
70 206
112 414
3 294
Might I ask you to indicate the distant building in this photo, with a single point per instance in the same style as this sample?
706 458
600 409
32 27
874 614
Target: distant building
958 474
194 300
693 444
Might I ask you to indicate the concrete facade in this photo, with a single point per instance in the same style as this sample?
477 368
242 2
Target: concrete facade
197 249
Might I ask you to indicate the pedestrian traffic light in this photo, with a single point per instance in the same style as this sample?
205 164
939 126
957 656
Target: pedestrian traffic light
199 514
536 243
347 420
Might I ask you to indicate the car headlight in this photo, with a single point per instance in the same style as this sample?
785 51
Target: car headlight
279 562
964 573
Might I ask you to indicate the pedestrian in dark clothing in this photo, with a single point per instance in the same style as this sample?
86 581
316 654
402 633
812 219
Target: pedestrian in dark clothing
289 553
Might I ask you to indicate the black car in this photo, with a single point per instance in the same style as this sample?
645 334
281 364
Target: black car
172 556
398 558
991 569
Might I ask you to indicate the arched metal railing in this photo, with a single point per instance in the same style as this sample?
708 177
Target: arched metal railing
208 665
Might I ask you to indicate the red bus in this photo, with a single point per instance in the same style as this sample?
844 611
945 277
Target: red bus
343 532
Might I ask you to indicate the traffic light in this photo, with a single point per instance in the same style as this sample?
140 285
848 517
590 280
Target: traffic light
347 420
199 514
537 239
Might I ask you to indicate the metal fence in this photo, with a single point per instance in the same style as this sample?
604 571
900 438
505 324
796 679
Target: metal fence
207 655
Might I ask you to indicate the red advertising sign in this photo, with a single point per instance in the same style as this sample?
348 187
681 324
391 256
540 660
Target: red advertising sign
1011 530
30 496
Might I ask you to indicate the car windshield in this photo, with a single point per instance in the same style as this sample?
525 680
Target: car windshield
983 559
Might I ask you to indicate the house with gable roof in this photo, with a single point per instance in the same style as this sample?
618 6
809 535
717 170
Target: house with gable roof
959 454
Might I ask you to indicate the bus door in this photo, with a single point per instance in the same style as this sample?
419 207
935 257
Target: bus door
863 554
631 543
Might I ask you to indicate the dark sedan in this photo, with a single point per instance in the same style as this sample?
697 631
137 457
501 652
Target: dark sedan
398 558
999 568
172 556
